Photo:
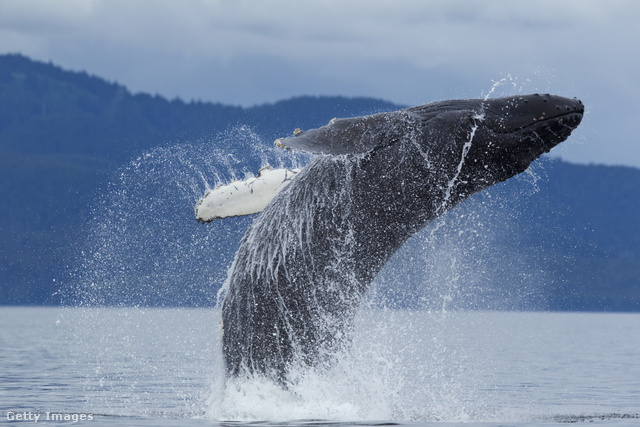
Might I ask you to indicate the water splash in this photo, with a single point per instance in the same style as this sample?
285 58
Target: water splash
510 84
477 119
144 246
405 366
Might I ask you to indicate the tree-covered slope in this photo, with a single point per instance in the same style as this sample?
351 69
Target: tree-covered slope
64 136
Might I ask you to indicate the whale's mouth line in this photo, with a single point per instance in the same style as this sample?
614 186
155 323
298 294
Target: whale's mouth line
573 118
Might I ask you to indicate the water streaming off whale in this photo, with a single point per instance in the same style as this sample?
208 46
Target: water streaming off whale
308 259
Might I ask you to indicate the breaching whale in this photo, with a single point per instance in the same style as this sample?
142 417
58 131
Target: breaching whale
305 263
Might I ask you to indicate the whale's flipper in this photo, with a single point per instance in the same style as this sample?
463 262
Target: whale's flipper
243 197
354 135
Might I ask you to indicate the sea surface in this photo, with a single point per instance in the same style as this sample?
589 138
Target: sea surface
148 367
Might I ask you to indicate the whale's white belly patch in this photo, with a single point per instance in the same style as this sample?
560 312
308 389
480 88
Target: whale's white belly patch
243 197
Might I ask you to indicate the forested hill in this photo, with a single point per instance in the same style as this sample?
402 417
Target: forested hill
63 136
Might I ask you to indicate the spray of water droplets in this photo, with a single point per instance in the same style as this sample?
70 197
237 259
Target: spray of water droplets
144 248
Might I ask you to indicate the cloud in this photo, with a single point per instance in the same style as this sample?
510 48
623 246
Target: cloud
248 52
337 37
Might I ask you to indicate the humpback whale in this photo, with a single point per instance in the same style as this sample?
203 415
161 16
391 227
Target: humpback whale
305 263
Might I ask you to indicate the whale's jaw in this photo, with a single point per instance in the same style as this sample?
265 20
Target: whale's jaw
555 121
516 114
540 122
513 132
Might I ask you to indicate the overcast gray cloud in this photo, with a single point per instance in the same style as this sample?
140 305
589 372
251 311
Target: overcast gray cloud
410 52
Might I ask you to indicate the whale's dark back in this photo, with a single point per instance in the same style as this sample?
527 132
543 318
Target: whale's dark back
296 278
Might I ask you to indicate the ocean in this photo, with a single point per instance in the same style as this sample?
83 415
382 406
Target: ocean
159 366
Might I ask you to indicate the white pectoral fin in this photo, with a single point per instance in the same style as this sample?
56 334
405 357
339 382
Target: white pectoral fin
243 197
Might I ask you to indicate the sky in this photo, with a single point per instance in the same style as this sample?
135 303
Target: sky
246 53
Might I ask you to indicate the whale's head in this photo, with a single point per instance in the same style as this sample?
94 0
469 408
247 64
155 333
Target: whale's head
513 132
478 142
467 144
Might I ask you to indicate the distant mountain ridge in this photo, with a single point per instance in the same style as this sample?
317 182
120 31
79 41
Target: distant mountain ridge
63 136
